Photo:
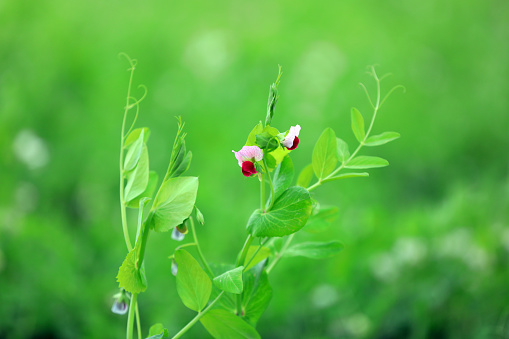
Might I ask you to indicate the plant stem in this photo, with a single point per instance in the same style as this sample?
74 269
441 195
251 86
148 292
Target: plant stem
243 253
280 254
144 239
197 317
122 137
270 184
240 261
138 324
130 318
200 253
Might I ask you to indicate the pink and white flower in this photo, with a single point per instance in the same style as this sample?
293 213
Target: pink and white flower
246 157
291 140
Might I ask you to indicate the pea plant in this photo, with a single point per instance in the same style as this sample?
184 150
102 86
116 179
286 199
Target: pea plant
229 298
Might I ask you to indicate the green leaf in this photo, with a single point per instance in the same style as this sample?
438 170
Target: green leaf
133 136
251 139
267 139
230 281
262 254
137 179
153 178
343 152
174 203
157 331
358 125
183 166
305 176
134 153
288 215
325 154
277 156
257 294
364 161
314 250
129 277
283 176
381 139
222 324
322 220
346 176
193 284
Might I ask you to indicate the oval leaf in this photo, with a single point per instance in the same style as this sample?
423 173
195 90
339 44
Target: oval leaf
230 281
174 203
137 179
133 136
358 125
343 152
381 139
325 154
222 324
289 214
129 277
153 178
305 176
364 161
314 250
193 284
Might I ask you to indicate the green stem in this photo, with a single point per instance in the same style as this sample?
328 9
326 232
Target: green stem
375 111
270 184
200 253
240 261
197 317
138 324
243 253
130 318
144 239
122 177
280 254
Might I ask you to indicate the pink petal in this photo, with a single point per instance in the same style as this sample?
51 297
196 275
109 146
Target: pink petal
249 153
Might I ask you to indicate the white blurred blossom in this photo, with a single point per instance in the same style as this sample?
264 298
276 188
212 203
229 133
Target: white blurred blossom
30 149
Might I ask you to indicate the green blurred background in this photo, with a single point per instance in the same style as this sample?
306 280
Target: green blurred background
426 239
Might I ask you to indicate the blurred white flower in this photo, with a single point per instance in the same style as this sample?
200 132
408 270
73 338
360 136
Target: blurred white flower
324 296
385 267
357 324
30 149
409 251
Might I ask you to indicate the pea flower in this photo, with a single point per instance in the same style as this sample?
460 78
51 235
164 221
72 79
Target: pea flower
120 305
291 140
247 156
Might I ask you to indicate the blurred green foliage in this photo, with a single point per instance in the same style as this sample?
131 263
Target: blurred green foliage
426 239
